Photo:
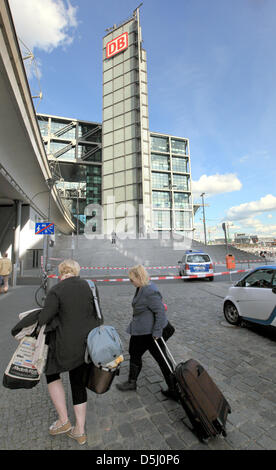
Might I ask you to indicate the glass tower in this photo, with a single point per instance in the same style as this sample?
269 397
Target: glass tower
126 148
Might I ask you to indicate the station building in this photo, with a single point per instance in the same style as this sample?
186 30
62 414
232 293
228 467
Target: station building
119 164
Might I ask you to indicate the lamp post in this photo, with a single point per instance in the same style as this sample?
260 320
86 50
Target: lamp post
204 220
171 187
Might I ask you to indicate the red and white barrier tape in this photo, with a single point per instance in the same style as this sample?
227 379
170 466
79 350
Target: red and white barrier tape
112 268
194 276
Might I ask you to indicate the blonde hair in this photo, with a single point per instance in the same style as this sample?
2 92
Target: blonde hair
140 274
69 266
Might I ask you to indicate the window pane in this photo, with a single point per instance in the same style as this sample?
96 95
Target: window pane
161 199
160 144
181 201
160 180
183 220
161 219
180 164
63 154
181 182
261 278
179 146
43 127
159 162
65 130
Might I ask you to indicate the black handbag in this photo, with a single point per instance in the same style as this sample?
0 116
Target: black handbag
168 331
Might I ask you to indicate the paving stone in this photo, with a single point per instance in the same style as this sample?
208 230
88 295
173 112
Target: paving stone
241 361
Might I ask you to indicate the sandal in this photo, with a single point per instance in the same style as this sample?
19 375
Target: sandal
61 429
80 438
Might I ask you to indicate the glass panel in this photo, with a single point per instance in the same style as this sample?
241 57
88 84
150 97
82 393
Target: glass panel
43 126
179 146
161 219
181 200
160 180
90 132
58 146
57 126
180 164
89 153
161 199
160 144
159 162
181 182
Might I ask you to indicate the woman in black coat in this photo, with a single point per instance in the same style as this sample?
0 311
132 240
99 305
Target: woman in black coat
70 315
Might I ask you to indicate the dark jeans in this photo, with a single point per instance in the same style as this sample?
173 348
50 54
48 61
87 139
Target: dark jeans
138 345
77 378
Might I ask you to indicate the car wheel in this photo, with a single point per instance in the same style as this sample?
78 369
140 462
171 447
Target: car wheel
211 278
231 314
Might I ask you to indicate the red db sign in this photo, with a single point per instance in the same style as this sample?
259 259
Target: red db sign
117 45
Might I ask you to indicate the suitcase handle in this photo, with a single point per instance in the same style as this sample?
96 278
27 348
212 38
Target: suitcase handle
164 357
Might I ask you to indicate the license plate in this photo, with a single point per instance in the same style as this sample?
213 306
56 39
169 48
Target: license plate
199 268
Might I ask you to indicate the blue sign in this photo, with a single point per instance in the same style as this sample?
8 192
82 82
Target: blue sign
44 228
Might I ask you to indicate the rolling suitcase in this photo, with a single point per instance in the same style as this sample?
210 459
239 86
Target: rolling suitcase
202 401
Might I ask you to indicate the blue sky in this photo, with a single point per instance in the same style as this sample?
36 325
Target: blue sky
211 78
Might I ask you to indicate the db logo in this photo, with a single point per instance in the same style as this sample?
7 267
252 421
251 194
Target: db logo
117 45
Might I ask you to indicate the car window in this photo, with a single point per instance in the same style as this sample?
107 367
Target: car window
198 259
274 279
260 278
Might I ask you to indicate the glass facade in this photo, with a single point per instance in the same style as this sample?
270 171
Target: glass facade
179 146
74 151
170 183
159 144
181 182
161 199
160 180
162 219
160 162
180 164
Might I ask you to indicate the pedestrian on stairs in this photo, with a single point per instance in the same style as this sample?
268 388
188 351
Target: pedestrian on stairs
113 238
149 320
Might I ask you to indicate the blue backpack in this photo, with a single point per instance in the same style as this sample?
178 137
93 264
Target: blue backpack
104 345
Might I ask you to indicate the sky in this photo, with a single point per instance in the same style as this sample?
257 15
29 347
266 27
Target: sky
211 78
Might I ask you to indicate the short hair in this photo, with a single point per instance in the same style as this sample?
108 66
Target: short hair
69 266
140 274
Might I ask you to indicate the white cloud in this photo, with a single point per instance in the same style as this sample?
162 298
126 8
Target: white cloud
44 24
216 184
243 211
253 225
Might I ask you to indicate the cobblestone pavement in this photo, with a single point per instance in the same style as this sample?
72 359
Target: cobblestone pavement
240 360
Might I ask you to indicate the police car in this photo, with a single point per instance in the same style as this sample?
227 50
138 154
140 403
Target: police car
196 262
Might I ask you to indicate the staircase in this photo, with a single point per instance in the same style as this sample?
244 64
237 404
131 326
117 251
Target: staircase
129 252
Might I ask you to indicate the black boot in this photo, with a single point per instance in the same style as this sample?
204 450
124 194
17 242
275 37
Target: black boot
171 392
131 383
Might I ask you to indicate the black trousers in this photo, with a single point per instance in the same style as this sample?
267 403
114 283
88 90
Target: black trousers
138 345
77 379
